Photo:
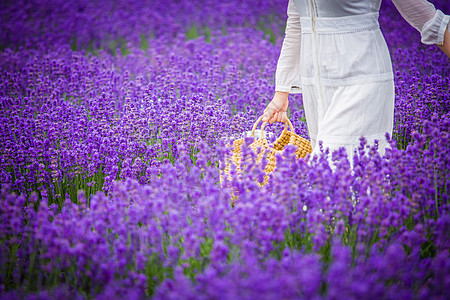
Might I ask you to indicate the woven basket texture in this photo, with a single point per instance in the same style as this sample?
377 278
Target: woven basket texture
262 148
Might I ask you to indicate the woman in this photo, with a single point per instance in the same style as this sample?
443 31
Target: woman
334 53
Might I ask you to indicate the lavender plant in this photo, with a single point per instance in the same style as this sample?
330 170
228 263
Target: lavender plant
114 121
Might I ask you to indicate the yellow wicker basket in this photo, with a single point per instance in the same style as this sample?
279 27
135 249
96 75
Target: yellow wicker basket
261 147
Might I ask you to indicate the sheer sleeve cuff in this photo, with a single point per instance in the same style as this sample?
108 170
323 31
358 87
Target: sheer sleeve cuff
433 31
289 89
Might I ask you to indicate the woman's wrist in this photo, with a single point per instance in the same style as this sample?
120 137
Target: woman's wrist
281 94
446 46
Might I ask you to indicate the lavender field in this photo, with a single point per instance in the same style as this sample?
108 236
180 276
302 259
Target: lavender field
113 127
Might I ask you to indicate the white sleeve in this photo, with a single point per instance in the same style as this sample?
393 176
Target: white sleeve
287 76
423 16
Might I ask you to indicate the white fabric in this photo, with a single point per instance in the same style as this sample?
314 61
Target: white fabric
336 54
345 50
415 12
287 76
423 16
339 123
433 31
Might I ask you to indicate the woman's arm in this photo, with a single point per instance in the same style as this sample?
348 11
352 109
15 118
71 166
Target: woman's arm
432 23
287 75
446 45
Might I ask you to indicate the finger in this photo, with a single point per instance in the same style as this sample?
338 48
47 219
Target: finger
280 116
266 116
283 117
268 113
274 118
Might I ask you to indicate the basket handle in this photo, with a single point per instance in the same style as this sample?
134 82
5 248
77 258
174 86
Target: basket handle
288 122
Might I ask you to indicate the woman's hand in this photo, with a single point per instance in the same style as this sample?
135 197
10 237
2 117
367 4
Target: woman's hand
276 109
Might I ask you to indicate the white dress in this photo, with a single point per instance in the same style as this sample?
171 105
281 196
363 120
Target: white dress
335 54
